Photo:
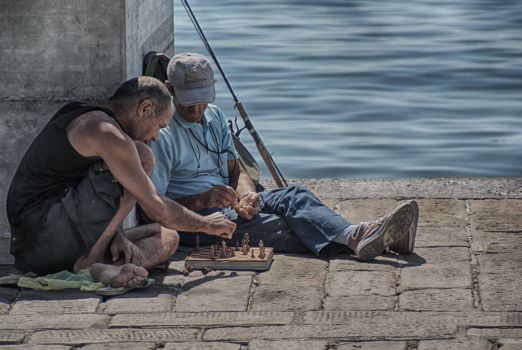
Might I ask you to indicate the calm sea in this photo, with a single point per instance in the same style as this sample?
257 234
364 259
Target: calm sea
372 89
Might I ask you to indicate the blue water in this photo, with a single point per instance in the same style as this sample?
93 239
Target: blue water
373 89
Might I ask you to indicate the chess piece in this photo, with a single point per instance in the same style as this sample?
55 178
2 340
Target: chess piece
237 247
252 253
212 253
262 253
205 270
232 253
188 269
246 239
244 250
224 249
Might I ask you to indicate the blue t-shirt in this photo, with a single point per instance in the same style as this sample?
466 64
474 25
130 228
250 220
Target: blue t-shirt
184 165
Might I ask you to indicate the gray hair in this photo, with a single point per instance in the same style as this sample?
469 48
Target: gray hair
142 88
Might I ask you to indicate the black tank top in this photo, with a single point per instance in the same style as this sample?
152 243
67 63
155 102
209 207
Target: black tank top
48 168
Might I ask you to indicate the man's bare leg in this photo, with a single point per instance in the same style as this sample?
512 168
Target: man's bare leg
156 243
97 251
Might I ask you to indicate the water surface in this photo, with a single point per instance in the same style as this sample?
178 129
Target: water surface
373 89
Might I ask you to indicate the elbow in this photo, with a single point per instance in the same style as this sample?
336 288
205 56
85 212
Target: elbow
159 214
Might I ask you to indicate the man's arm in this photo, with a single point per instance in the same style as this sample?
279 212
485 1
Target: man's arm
244 182
219 196
248 199
101 137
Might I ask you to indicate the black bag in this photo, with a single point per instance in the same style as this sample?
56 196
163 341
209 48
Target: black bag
155 65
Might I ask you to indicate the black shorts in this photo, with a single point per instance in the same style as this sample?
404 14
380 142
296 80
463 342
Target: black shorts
74 223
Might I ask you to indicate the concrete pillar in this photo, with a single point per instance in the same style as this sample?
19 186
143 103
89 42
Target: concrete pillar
56 51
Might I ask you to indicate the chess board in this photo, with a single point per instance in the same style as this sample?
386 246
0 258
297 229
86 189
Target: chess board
201 258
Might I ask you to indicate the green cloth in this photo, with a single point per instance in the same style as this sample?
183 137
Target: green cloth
62 280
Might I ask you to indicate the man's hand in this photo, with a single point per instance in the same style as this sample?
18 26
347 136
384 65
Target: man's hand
248 206
219 196
220 225
130 251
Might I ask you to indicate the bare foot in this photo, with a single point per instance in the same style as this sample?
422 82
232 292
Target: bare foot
127 275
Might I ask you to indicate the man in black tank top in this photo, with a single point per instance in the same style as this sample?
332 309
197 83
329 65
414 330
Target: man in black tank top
80 178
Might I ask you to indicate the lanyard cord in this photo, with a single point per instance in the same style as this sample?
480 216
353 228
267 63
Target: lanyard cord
208 149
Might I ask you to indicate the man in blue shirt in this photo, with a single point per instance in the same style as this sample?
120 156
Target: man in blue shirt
196 165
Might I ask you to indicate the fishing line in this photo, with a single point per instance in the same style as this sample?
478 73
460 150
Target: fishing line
267 156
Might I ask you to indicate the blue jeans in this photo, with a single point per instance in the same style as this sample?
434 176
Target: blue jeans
292 220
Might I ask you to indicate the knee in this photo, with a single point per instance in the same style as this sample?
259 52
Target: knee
170 239
298 189
146 157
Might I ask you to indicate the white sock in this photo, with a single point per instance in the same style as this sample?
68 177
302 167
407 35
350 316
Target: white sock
343 237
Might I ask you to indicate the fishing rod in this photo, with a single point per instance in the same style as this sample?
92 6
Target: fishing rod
267 157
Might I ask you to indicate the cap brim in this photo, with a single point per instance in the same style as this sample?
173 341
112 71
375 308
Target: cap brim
194 96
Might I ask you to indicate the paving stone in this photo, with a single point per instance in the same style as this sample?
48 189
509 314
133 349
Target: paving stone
496 226
378 345
440 256
294 282
152 299
10 337
495 332
217 291
340 317
55 302
436 300
422 188
202 319
287 345
360 303
352 330
434 215
327 189
498 263
454 344
347 283
7 296
344 262
432 276
112 336
496 242
330 203
499 279
357 210
309 183
510 344
68 321
202 346
477 319
442 223
496 215
34 347
121 345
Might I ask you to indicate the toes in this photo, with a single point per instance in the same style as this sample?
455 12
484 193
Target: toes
140 272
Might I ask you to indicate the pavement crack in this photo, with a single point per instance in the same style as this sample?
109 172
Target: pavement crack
477 300
325 282
397 287
252 290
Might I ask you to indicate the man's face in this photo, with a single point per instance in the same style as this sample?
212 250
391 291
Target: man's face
152 124
190 113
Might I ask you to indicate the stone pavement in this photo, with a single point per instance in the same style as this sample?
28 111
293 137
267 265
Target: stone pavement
462 289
